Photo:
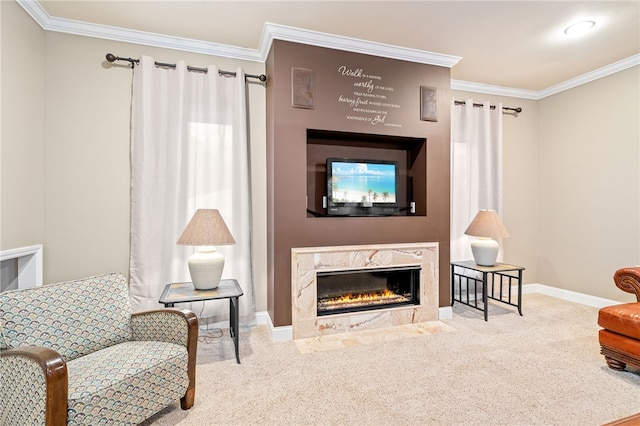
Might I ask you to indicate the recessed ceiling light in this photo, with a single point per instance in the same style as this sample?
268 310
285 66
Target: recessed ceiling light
579 27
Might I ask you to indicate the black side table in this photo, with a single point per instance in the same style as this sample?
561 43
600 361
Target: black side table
227 289
497 274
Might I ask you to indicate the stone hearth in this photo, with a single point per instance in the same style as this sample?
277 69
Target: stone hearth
308 261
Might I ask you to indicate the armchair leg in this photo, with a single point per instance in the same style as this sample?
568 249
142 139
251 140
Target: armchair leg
615 364
188 399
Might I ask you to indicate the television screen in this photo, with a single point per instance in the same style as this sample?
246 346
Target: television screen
364 184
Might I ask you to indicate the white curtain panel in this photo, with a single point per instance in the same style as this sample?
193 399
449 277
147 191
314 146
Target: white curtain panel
476 169
188 151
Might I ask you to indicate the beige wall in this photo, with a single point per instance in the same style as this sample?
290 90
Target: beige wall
22 150
65 151
572 184
571 164
87 104
589 184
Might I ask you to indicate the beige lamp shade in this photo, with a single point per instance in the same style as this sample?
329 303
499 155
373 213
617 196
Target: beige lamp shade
206 228
488 227
487 224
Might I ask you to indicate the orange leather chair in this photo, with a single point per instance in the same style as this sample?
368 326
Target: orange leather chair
620 336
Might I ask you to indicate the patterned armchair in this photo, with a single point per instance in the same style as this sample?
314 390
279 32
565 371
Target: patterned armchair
72 353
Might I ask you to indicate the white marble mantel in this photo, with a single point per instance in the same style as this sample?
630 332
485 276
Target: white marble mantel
307 261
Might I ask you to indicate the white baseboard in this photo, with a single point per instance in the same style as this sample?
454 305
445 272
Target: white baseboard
278 334
285 333
568 295
445 312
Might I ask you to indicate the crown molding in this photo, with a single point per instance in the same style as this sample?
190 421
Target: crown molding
270 32
591 76
69 26
280 32
489 89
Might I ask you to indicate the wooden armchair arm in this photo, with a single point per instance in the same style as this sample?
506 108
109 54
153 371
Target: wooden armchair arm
27 398
628 279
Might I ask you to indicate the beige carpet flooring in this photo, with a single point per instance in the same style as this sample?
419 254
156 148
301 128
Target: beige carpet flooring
540 369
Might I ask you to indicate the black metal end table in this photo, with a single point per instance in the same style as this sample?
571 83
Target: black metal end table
501 271
227 289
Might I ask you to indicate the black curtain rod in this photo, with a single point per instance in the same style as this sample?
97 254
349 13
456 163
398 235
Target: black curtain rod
516 110
113 58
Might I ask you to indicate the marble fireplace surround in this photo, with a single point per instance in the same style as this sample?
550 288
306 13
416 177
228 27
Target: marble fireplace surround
307 261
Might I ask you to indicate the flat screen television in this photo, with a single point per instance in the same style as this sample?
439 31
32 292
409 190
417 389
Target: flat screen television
357 187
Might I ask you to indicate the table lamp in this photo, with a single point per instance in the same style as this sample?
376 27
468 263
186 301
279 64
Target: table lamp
488 227
206 229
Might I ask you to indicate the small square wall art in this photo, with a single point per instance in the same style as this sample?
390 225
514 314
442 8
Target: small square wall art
302 88
428 103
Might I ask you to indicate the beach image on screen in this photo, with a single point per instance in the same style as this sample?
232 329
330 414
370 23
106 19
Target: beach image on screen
363 183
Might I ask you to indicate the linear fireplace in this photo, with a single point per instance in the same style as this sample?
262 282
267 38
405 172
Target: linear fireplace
341 289
366 289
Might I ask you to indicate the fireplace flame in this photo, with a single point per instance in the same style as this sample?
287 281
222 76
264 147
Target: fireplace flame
361 299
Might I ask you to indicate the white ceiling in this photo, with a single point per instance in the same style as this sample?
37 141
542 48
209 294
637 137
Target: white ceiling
514 44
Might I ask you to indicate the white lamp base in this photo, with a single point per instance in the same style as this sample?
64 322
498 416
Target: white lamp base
485 251
206 267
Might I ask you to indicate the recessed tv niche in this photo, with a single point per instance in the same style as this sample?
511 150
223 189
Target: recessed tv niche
407 153
362 187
